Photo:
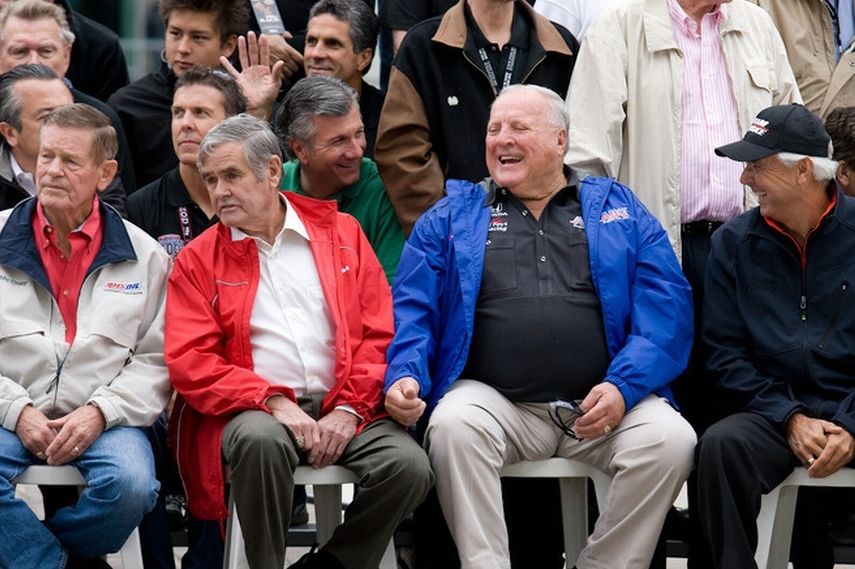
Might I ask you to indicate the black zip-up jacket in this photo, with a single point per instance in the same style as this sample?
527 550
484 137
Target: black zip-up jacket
145 109
779 326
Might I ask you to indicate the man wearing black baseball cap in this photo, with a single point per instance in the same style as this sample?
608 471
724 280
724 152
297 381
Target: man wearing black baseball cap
777 332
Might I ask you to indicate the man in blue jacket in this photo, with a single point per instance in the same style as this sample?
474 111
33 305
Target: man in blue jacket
540 316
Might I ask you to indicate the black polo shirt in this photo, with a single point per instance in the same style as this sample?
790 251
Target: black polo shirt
165 210
539 333
498 58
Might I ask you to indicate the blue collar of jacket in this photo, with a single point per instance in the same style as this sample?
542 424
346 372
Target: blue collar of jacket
18 244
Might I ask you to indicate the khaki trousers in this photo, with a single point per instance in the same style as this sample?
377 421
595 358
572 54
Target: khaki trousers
474 431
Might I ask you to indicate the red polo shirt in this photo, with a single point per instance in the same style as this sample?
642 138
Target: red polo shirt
66 275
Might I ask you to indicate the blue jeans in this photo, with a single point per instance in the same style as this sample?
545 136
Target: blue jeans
122 487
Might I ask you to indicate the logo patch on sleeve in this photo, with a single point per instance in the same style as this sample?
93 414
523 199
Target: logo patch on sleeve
617 214
124 288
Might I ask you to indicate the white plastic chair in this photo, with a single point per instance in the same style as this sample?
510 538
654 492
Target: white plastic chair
326 483
777 510
572 476
68 475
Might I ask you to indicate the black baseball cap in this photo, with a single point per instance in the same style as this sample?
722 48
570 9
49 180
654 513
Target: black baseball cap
782 128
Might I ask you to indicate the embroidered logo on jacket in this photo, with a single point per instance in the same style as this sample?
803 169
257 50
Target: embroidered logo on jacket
172 243
124 288
578 222
616 214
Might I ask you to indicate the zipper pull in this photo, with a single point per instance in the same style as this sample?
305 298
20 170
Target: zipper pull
803 306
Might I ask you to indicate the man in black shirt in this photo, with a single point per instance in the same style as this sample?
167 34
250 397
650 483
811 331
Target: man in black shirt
174 209
340 43
197 33
539 316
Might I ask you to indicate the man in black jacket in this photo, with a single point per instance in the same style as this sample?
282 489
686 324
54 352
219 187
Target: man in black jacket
446 74
37 31
27 94
777 327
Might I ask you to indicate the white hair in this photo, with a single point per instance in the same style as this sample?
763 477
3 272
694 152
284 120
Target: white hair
824 169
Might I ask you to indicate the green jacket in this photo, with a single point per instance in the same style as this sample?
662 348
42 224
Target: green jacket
366 200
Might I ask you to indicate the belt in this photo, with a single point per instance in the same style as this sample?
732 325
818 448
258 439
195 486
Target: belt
701 227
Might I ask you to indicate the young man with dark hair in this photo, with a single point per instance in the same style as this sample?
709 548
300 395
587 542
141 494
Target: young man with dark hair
840 125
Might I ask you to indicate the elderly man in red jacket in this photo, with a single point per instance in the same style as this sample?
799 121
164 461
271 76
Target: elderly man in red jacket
278 322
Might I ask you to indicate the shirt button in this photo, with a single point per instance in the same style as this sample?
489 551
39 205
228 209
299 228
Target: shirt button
65 293
543 258
488 242
540 231
525 212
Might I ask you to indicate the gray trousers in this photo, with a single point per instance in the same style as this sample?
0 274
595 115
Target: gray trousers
475 430
394 477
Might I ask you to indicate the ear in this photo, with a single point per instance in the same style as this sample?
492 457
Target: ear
106 172
804 171
363 59
562 141
274 171
228 47
844 175
10 133
300 149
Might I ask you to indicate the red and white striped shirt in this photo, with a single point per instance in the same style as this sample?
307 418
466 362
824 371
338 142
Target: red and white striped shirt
710 187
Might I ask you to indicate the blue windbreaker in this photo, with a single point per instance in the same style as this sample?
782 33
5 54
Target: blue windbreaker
646 300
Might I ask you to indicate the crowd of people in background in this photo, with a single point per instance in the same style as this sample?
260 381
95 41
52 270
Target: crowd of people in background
610 231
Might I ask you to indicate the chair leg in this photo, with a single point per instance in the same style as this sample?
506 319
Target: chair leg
131 552
234 556
327 510
574 513
782 529
390 559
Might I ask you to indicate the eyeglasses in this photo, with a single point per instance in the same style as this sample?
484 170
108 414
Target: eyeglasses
564 414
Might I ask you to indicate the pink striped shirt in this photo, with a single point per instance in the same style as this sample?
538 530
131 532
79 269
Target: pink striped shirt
710 188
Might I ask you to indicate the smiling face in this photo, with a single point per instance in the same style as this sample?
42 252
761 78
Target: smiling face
196 109
776 187
67 172
525 152
33 41
239 198
332 159
192 38
329 51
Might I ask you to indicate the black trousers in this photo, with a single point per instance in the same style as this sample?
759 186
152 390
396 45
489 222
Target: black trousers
738 459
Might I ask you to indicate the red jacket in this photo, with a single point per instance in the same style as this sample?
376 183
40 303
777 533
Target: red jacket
207 344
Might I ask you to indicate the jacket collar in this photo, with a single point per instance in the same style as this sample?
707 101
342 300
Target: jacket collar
18 245
659 33
452 29
317 215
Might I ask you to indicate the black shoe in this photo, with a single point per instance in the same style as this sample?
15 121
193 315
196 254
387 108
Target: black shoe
176 512
299 515
317 559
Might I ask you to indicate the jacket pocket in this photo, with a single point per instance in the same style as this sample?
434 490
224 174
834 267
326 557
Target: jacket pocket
761 75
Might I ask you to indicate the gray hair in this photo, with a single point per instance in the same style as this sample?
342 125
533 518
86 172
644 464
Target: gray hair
364 26
824 169
557 111
308 98
32 10
259 142
11 104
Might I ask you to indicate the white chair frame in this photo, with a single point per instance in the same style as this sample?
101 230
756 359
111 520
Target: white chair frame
573 480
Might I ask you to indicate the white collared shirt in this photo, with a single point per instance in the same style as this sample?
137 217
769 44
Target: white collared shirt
291 328
24 179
